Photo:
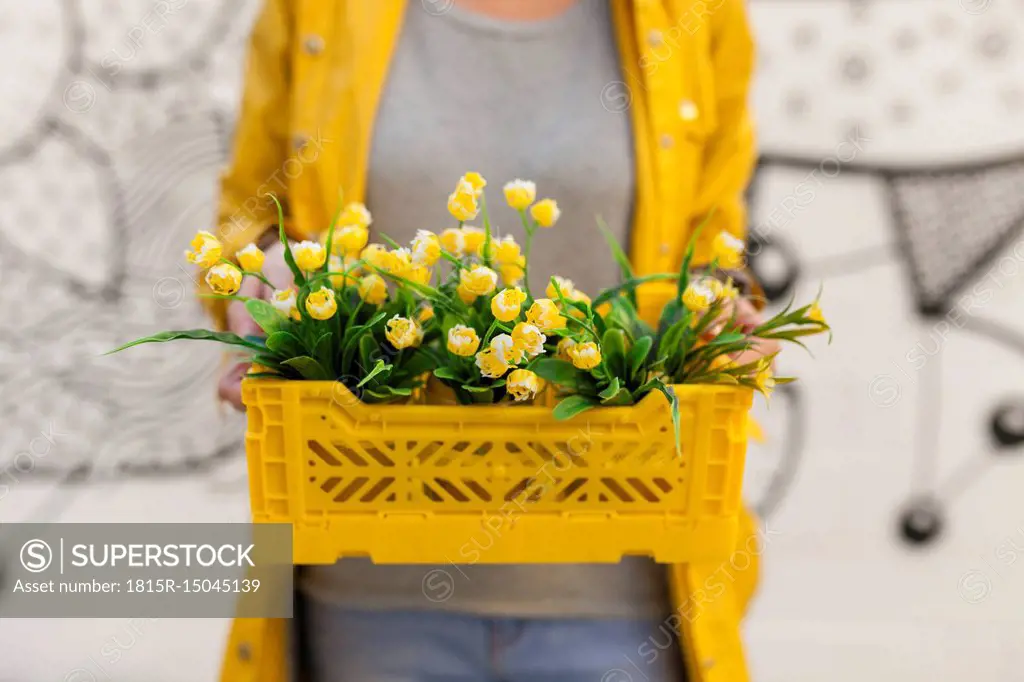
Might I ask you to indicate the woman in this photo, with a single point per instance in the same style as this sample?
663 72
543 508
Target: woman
631 109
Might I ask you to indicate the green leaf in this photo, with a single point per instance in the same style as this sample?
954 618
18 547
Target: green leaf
611 292
638 356
229 338
672 339
559 372
350 341
691 247
284 342
612 389
673 401
448 373
367 348
613 348
378 391
620 397
322 351
307 367
420 362
289 258
265 315
476 389
381 369
330 234
625 268
573 405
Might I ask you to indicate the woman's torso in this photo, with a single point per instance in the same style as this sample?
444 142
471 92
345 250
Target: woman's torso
508 100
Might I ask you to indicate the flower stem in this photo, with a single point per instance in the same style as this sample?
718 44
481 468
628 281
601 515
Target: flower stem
490 330
529 229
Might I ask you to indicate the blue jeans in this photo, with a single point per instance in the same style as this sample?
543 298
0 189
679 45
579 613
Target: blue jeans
346 645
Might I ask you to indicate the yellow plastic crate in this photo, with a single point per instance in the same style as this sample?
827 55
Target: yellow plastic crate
495 484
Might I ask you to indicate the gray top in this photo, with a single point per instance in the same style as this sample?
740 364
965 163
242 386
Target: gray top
509 100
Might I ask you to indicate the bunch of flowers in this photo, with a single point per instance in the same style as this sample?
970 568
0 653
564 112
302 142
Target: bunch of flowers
492 329
383 317
340 320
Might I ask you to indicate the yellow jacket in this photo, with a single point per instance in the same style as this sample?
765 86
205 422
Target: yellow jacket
315 72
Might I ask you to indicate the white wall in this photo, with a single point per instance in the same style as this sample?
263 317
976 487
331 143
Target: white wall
898 409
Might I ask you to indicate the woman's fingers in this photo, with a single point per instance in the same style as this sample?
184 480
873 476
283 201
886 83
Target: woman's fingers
229 387
239 319
275 269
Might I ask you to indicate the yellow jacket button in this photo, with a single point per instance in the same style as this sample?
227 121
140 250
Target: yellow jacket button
688 110
313 44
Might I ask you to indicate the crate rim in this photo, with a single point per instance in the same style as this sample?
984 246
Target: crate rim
650 400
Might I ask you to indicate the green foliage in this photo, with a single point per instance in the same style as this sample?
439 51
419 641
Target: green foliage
688 346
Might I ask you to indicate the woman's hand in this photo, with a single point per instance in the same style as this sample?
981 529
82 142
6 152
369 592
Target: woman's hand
748 318
229 387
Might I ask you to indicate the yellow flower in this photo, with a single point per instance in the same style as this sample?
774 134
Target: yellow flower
426 313
462 202
373 254
580 297
463 340
309 255
321 304
520 193
721 362
350 239
507 350
565 345
454 241
715 285
473 238
373 289
544 315
585 355
545 212
398 261
426 248
224 279
506 304
529 338
475 180
564 284
206 250
462 241
355 214
698 297
376 255
815 314
490 364
402 332
729 291
250 258
728 250
522 384
284 300
336 263
513 273
465 295
420 274
506 251
479 280
765 380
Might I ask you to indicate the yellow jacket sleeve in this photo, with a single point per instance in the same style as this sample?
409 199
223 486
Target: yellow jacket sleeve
730 153
261 142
